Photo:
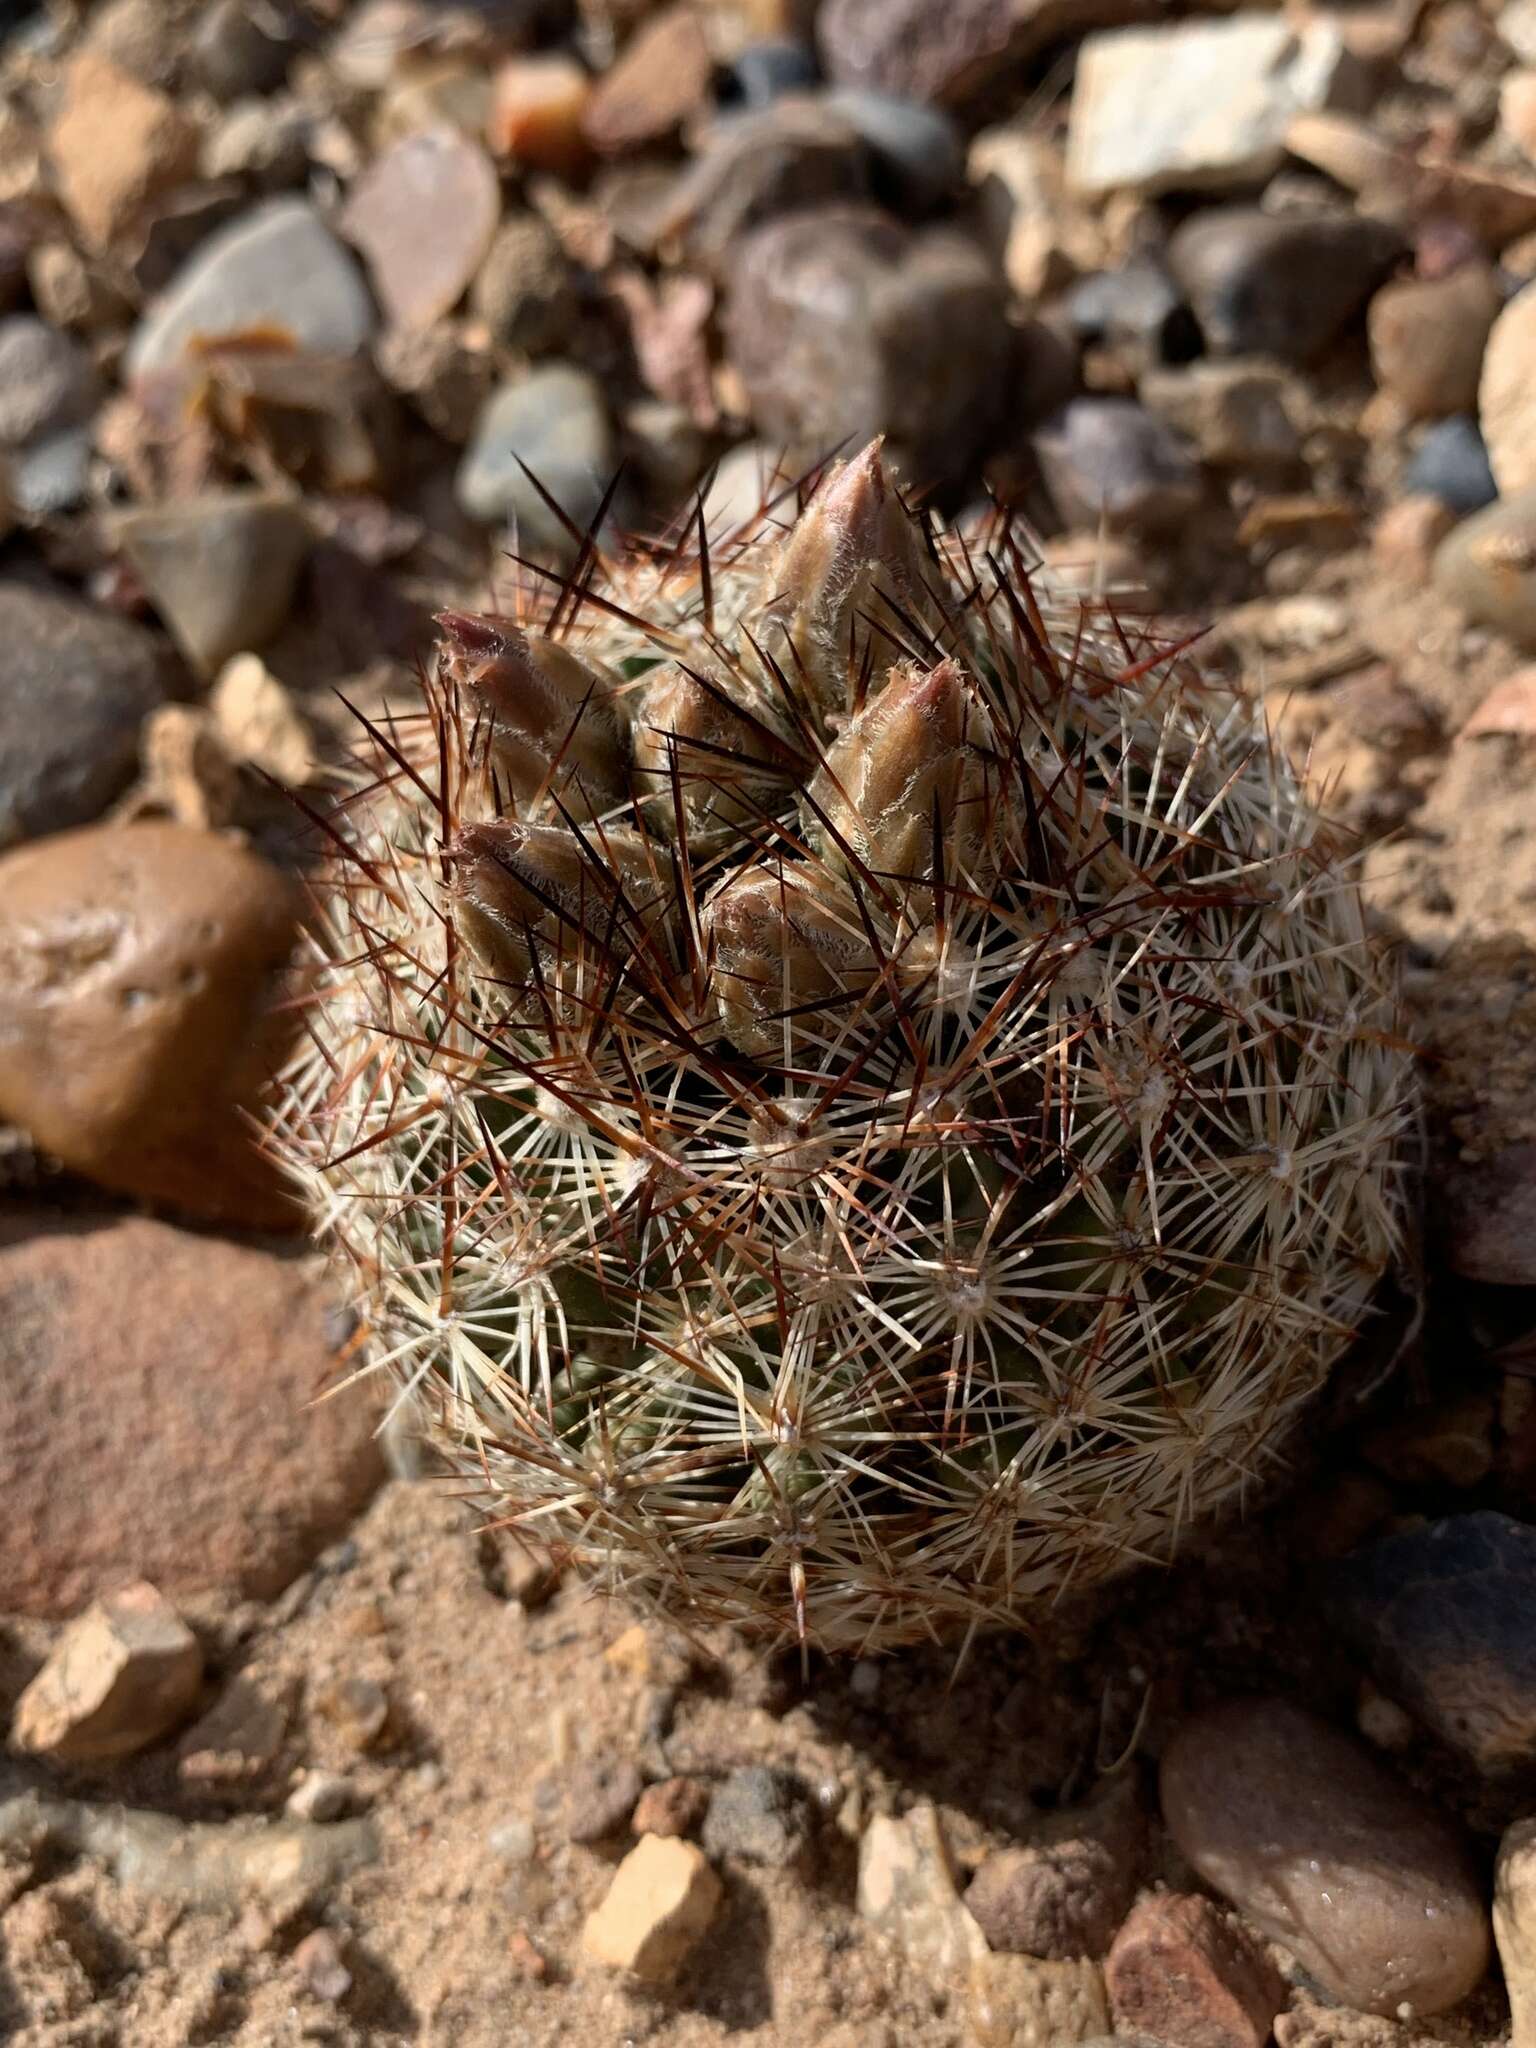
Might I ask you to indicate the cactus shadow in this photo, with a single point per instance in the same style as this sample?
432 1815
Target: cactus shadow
734 1987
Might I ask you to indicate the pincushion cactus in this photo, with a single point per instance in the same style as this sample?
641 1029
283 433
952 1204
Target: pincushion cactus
854 1097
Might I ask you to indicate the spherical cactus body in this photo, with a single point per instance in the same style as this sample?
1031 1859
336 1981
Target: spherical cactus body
853 1093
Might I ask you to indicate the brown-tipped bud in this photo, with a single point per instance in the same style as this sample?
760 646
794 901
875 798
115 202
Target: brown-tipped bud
850 595
532 901
555 730
783 954
913 782
729 762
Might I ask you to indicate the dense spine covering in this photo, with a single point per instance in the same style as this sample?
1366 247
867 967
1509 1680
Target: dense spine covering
854 1096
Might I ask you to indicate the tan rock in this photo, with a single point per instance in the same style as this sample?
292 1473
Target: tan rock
1407 534
907 1892
655 1912
119 1677
1514 1927
1506 396
158 1414
1182 1970
114 143
235 1744
1509 708
1021 2002
1428 337
139 966
258 721
662 76
1045 239
1517 111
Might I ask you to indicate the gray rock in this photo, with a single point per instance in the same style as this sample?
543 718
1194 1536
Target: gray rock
946 51
1193 104
1487 1217
276 265
1372 1890
1487 566
843 325
1234 412
240 48
47 381
50 475
765 71
597 1796
918 151
793 156
1283 285
759 1814
1451 464
220 569
1137 311
75 685
1110 459
526 288
907 1894
555 422
1442 1616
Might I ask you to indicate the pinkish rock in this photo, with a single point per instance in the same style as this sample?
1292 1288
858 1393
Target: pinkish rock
947 53
662 76
1181 1970
1428 337
156 1416
423 215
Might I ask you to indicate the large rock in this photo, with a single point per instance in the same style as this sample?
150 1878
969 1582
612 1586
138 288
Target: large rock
1487 566
1371 1890
277 266
948 52
844 325
1180 1970
1199 103
1277 284
158 1414
139 967
220 569
75 686
798 154
1442 1615
1506 397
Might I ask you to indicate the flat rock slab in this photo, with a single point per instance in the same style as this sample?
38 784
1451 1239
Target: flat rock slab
1198 104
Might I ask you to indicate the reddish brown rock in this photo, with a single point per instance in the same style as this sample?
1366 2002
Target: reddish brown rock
675 1806
536 114
1182 1971
1065 1892
114 143
139 967
661 78
423 215
156 1417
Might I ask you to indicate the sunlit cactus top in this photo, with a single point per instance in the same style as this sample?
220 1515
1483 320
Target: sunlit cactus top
852 1091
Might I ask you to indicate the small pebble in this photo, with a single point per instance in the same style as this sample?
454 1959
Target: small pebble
357 1708
319 1796
122 1675
1110 460
759 1814
597 1797
1487 566
1451 465
673 1806
318 1961
764 71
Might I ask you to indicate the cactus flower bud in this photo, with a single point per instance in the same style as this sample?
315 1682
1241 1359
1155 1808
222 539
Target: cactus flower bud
786 960
554 728
730 763
533 901
852 595
913 780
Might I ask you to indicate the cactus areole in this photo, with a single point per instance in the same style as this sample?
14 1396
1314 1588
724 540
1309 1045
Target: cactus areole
852 1092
